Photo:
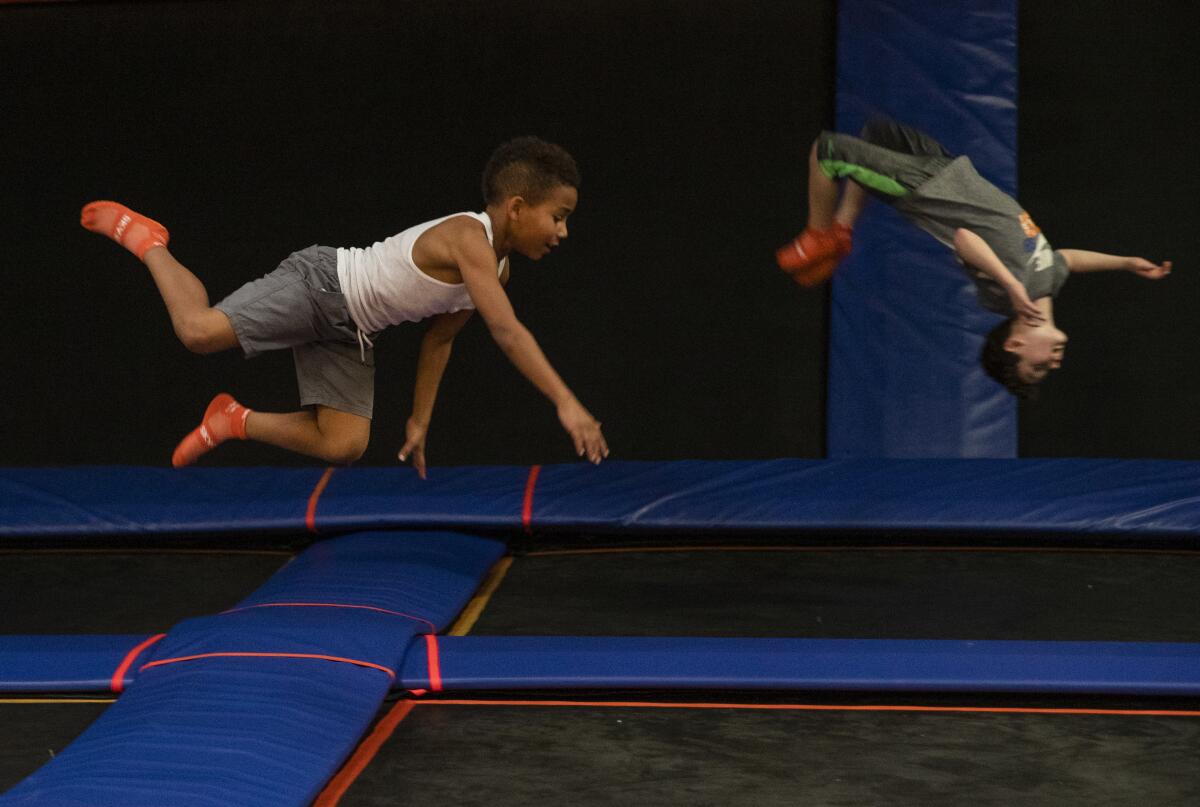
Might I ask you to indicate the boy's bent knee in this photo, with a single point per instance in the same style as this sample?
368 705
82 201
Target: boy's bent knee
345 450
344 436
205 333
197 340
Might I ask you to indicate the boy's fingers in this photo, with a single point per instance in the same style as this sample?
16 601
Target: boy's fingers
597 448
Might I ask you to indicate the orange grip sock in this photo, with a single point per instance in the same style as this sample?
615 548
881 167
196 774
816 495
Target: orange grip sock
224 419
813 255
806 250
815 274
135 232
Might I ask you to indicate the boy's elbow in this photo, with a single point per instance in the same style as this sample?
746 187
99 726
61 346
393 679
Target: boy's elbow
506 334
966 243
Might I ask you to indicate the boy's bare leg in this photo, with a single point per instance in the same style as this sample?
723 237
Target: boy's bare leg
327 434
854 199
822 195
201 328
812 256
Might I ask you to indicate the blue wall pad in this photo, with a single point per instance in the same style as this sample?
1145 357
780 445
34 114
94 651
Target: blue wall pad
552 662
905 333
251 707
953 496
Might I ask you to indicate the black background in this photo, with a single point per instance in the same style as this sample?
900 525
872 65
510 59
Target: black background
252 129
1107 161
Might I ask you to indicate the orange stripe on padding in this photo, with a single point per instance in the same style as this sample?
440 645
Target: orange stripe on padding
356 662
435 666
118 679
310 516
822 707
362 756
527 506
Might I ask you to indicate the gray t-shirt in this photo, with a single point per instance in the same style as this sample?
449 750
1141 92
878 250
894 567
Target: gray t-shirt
957 196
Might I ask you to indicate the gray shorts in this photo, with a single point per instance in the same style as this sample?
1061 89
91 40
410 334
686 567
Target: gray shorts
300 305
888 160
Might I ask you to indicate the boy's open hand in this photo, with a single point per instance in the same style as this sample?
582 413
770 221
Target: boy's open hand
414 445
1023 307
584 430
1148 270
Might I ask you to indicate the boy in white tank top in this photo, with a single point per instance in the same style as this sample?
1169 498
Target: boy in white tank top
326 305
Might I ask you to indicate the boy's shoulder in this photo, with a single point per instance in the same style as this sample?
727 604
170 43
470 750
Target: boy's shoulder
459 226
442 240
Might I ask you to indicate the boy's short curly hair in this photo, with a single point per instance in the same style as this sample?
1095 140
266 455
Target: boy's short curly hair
1001 364
527 167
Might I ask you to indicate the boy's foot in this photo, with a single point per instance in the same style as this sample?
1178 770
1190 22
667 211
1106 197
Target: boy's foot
133 231
224 418
816 275
814 254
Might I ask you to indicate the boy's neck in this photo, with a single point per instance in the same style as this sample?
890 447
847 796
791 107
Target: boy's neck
1046 304
499 230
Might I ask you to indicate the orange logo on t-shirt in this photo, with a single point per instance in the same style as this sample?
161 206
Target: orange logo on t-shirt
1028 226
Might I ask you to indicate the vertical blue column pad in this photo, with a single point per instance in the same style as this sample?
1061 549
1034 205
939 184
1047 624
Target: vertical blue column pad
906 331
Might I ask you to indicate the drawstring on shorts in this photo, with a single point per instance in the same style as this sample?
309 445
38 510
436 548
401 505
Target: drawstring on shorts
364 342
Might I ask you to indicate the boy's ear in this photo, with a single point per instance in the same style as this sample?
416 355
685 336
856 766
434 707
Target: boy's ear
1014 343
514 205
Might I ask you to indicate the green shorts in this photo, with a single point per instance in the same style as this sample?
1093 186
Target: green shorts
889 159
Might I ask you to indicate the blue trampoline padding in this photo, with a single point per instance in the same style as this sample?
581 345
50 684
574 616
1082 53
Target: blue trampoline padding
1086 496
551 662
227 731
261 704
360 597
122 500
46 663
424 574
373 498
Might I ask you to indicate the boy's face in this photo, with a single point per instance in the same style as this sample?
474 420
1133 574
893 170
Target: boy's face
1040 349
536 229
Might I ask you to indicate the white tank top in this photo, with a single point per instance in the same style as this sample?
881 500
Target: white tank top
384 287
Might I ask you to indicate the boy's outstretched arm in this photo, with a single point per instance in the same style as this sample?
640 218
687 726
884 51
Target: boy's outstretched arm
431 365
477 263
973 250
1081 260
